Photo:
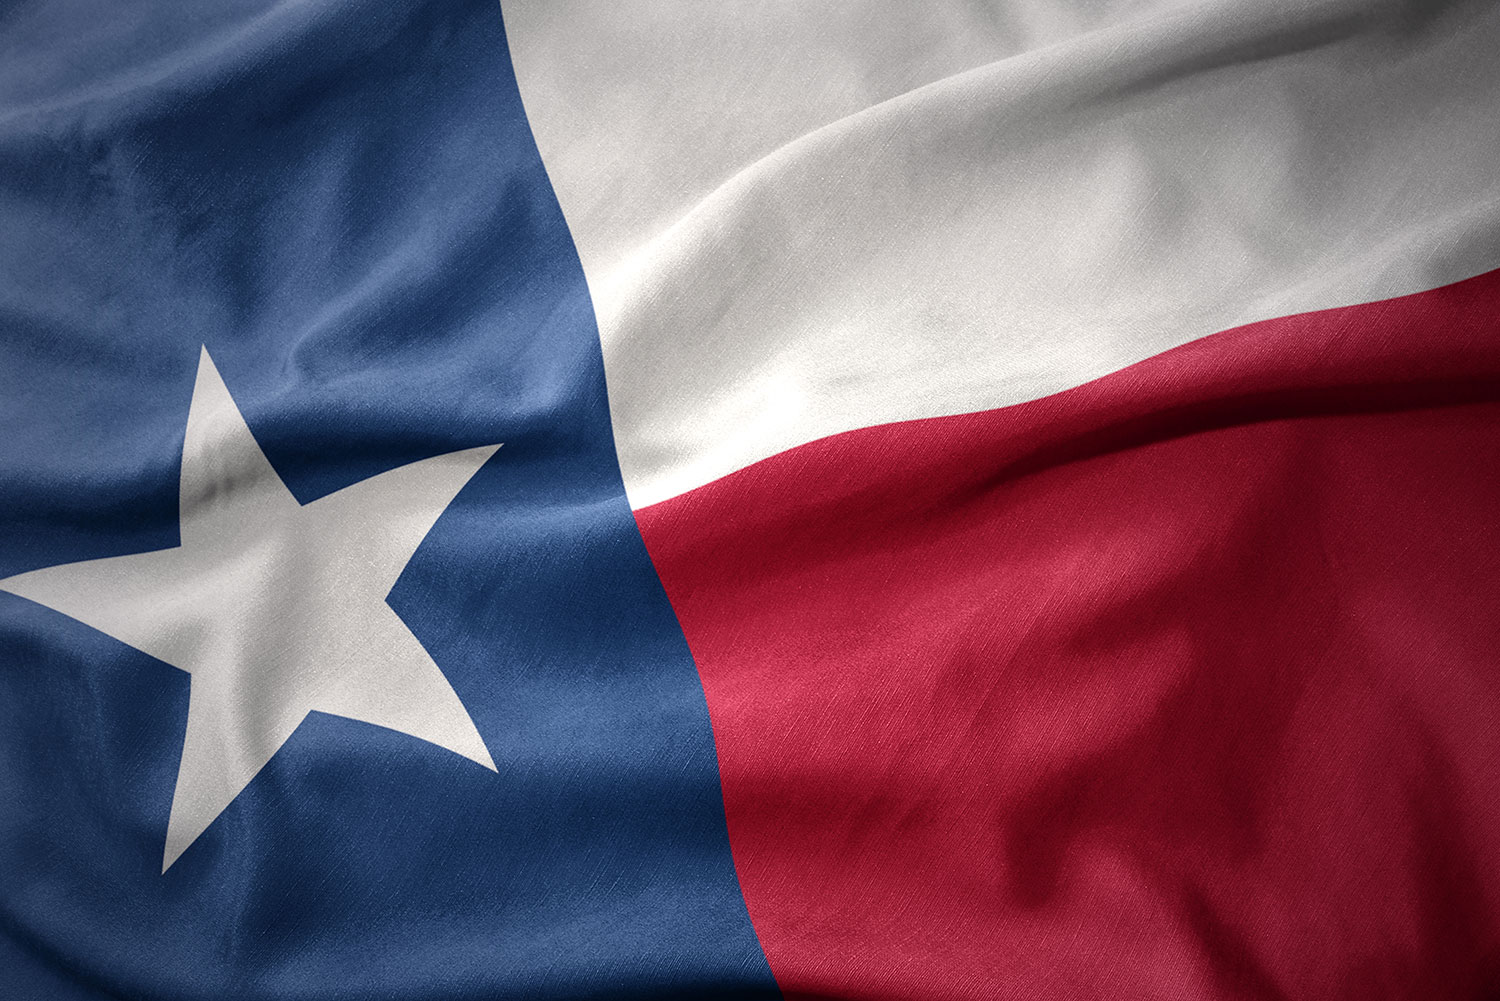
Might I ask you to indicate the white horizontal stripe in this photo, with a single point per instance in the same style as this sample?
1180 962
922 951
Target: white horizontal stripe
800 219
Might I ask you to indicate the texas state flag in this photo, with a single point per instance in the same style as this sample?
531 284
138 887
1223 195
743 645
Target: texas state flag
906 500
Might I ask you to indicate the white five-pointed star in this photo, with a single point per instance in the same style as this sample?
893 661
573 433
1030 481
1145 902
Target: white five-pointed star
275 608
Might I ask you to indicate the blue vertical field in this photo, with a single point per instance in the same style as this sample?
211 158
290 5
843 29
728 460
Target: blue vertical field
344 203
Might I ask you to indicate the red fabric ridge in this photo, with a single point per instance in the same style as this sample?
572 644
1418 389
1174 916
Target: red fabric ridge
1184 683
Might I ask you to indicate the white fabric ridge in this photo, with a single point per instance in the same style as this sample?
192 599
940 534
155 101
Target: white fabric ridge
801 219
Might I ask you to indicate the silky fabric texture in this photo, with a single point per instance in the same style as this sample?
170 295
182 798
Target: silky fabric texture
1181 684
800 219
1177 683
343 204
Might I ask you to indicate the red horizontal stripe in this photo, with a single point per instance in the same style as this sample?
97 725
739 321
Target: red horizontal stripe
1184 683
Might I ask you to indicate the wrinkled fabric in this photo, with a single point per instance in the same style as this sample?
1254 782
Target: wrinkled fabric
342 204
993 500
1180 684
798 220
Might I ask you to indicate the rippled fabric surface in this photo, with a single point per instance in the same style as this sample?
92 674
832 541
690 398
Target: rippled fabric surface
798 220
343 204
929 501
1179 684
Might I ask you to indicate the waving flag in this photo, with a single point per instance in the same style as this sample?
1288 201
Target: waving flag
871 500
